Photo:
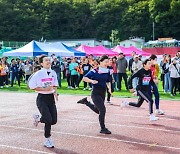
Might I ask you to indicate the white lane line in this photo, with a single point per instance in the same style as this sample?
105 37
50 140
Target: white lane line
126 115
96 137
23 149
118 125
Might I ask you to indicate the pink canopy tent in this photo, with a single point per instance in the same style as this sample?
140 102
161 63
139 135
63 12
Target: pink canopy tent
128 51
96 51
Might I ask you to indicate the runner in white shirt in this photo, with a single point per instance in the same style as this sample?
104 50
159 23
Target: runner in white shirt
45 82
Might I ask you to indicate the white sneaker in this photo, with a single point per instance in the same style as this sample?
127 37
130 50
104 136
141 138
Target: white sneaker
2 87
90 88
48 143
7 86
153 117
124 104
159 112
36 118
84 89
108 102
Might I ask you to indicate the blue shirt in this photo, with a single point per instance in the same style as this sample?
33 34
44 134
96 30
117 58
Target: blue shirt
102 75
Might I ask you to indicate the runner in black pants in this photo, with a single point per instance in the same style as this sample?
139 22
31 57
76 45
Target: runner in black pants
45 82
145 78
100 79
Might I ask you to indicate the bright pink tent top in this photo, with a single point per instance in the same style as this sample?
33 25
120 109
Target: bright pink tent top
96 51
128 51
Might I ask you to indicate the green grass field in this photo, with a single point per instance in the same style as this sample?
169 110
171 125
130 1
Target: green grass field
80 91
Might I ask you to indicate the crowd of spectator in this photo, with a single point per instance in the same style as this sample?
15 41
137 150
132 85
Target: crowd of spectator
73 69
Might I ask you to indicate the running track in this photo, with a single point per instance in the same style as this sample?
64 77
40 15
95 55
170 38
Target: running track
77 129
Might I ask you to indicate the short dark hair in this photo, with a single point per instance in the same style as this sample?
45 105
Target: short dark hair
121 53
102 58
153 56
145 61
41 58
12 60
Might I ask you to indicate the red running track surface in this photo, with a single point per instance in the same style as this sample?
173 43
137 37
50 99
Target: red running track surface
77 129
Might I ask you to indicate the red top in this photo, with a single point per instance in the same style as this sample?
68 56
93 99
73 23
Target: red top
153 71
114 67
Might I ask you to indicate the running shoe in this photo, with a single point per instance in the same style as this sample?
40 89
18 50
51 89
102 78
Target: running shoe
105 131
36 118
82 101
124 104
159 112
48 143
108 102
153 117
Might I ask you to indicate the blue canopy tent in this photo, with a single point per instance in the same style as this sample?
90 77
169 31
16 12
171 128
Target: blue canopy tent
29 50
76 52
35 48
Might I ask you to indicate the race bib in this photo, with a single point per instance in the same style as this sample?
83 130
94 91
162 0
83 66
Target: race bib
86 68
146 81
46 82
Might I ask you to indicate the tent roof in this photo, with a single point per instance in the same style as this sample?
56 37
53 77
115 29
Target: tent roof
35 48
128 51
97 51
30 49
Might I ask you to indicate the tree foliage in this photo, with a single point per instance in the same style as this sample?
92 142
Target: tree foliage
24 20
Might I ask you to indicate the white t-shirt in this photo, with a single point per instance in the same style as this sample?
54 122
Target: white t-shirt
42 79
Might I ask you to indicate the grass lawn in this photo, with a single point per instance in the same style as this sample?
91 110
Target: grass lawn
80 91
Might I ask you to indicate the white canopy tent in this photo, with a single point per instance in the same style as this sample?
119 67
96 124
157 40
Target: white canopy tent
29 50
35 48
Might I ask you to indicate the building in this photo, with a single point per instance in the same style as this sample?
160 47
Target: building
133 41
78 42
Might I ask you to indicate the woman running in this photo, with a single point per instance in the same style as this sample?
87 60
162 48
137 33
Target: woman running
145 78
45 82
100 79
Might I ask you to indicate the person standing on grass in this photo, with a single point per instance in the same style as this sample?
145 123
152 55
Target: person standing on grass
145 78
15 72
115 76
174 74
4 70
162 70
86 68
122 65
131 62
57 68
167 79
45 83
136 66
109 95
28 69
100 79
74 74
153 89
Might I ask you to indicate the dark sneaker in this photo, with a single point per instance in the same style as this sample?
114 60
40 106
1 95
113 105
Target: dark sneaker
83 101
105 131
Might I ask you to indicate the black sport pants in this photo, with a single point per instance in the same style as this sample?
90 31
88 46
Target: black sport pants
143 95
98 97
47 108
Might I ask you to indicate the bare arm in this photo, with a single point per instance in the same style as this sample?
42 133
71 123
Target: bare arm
49 88
109 87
